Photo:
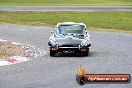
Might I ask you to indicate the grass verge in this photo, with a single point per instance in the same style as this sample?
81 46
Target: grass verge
7 49
104 20
64 2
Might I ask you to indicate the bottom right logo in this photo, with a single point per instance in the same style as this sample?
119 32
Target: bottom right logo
82 77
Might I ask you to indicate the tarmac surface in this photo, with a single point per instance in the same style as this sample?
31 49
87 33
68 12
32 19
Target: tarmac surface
67 8
110 53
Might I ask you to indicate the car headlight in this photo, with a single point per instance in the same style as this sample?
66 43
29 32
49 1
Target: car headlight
53 42
84 43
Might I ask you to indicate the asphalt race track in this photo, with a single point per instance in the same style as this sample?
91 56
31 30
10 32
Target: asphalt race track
66 8
110 53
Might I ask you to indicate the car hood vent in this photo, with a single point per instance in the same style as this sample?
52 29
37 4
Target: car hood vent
79 36
68 41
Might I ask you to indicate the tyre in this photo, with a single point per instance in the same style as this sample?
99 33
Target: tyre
86 52
52 53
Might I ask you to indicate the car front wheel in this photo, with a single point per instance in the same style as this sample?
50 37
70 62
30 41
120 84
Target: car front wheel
86 52
52 53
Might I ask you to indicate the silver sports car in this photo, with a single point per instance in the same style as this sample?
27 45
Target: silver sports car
70 37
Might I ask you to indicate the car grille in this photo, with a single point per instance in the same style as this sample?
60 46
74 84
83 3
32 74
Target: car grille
69 46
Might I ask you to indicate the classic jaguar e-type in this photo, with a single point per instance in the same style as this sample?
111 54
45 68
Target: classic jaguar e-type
70 37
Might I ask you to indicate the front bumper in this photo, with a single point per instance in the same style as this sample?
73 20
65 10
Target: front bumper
69 48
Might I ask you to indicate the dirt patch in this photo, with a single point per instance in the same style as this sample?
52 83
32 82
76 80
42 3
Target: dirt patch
8 49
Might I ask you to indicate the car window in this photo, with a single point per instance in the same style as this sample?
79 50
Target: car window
64 29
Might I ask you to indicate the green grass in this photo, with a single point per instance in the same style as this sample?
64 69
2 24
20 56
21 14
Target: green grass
104 20
3 53
65 2
7 49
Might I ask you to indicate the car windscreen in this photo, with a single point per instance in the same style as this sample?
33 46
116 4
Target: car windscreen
65 29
